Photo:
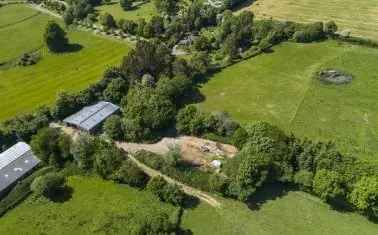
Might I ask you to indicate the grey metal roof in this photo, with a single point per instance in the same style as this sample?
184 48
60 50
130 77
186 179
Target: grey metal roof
15 163
89 117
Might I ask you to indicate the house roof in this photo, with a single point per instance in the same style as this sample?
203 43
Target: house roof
15 162
89 117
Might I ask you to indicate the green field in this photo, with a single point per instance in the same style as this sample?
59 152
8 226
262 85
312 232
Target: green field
361 17
92 198
142 10
279 88
290 214
22 89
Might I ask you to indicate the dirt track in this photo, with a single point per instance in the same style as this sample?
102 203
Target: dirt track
149 171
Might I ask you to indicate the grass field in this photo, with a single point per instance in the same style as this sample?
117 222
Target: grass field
92 198
279 88
361 17
289 214
22 89
142 10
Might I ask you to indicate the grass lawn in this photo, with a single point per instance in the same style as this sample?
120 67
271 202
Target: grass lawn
142 10
361 17
289 214
92 199
279 88
22 89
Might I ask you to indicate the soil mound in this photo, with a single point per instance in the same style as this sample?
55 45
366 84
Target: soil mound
334 76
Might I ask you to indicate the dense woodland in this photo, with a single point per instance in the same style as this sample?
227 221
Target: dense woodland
156 90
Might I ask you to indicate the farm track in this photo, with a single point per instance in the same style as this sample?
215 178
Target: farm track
149 171
187 189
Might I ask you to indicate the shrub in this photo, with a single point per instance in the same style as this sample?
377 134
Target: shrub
304 179
48 185
365 196
330 27
113 127
328 185
83 150
130 174
51 146
107 159
166 192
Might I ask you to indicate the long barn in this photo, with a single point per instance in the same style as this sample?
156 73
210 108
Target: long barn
15 163
89 118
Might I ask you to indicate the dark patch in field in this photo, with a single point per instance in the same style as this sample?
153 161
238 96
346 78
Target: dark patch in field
268 193
63 194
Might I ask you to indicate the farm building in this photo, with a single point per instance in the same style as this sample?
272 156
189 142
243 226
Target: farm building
15 163
89 118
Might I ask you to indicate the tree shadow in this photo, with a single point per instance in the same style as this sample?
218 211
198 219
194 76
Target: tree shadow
73 47
267 193
181 231
63 194
190 202
243 5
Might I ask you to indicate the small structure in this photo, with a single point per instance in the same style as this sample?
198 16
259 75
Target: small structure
89 118
216 164
15 163
334 76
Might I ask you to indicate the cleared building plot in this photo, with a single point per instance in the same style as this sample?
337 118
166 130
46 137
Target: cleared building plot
89 118
15 163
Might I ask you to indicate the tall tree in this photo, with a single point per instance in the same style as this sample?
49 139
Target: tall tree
55 37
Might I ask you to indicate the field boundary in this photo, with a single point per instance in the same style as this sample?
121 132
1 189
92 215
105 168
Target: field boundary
20 21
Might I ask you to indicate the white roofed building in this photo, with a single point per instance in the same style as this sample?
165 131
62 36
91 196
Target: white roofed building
15 163
90 117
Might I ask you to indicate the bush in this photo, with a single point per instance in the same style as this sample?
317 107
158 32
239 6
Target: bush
166 192
130 174
48 185
51 146
304 179
328 185
365 196
113 127
83 150
107 159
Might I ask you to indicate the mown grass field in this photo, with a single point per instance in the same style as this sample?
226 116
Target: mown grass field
289 214
279 88
361 17
142 10
93 198
22 89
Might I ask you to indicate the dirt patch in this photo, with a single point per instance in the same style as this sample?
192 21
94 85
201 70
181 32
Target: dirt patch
334 76
196 151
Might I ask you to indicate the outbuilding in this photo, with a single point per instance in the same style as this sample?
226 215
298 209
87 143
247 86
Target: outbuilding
15 163
90 117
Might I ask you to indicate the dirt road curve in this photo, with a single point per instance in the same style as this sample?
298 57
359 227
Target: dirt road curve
187 189
149 171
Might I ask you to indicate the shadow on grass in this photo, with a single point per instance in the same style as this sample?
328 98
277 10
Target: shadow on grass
74 47
190 202
63 194
267 193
